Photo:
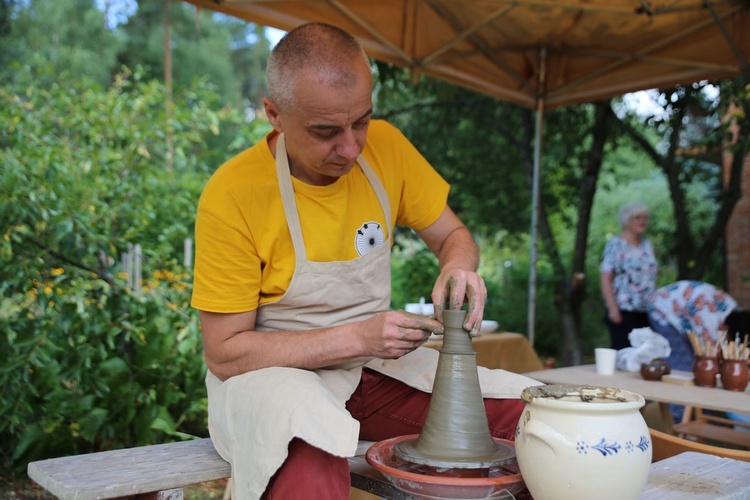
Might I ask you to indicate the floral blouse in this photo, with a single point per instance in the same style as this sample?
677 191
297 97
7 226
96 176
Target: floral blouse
691 306
634 269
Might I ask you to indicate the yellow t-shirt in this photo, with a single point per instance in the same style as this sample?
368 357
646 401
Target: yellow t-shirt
244 252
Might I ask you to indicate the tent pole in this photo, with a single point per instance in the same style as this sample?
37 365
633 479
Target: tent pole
535 192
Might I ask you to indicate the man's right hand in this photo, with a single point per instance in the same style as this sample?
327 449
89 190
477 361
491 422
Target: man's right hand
232 346
392 334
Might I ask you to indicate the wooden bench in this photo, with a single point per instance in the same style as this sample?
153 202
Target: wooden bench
161 471
702 427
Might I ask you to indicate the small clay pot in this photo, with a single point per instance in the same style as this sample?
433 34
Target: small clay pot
654 370
734 374
664 364
705 369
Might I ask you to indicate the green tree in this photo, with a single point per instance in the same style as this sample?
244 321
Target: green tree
63 37
486 152
229 52
693 135
86 363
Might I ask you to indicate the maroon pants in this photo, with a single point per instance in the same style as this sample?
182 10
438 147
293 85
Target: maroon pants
385 408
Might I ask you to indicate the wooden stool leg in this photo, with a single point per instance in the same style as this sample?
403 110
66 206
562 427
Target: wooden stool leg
228 490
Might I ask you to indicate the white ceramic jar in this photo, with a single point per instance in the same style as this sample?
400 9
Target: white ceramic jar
576 442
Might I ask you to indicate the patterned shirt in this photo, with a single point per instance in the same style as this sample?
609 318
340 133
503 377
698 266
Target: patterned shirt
634 269
691 306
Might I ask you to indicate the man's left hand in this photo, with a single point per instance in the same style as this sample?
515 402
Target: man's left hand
456 286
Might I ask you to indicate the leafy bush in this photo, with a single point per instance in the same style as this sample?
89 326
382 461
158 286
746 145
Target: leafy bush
85 363
414 269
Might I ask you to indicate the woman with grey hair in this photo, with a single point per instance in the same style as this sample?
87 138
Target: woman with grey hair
628 275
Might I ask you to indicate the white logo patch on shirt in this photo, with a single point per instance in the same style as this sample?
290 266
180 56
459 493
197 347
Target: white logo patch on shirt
369 236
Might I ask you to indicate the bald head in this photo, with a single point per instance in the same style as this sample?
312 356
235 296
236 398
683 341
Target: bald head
330 53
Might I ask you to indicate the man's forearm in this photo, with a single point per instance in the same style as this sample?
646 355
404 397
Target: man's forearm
459 251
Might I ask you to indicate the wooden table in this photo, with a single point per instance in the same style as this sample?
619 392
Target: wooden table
663 392
505 350
697 476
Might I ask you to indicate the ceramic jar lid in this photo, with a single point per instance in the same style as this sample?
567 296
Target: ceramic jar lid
578 393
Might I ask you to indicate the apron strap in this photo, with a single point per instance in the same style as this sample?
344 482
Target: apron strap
290 205
287 197
380 192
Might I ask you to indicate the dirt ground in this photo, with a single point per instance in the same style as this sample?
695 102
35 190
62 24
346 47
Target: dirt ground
14 488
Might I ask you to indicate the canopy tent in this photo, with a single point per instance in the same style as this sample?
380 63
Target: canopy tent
595 49
535 53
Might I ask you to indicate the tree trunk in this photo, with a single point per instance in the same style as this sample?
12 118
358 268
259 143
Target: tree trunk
575 289
572 290
731 194
692 259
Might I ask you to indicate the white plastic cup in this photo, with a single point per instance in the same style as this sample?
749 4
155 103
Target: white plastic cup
605 360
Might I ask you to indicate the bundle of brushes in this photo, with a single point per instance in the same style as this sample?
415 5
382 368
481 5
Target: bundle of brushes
733 349
701 346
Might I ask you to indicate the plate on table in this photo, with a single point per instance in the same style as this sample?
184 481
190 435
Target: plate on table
489 326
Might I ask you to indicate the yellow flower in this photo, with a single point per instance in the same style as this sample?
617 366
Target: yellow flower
48 289
58 271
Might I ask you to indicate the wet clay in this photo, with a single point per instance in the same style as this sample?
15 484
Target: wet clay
585 393
456 433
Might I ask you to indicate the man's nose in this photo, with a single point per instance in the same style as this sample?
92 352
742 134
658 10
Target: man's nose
348 147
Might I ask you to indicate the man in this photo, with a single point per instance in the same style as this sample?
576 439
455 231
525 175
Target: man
292 280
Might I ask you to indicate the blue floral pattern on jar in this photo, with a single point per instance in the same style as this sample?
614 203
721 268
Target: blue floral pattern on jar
611 448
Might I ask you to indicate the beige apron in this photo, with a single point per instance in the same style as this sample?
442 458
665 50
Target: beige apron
254 416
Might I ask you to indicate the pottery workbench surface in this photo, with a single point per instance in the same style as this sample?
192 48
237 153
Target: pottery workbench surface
697 476
663 392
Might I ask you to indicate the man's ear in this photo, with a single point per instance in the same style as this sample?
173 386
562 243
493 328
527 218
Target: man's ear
273 113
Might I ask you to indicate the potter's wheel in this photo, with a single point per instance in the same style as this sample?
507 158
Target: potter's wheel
502 454
430 482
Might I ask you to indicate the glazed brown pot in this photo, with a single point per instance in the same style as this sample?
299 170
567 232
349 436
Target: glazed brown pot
705 369
734 374
653 370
